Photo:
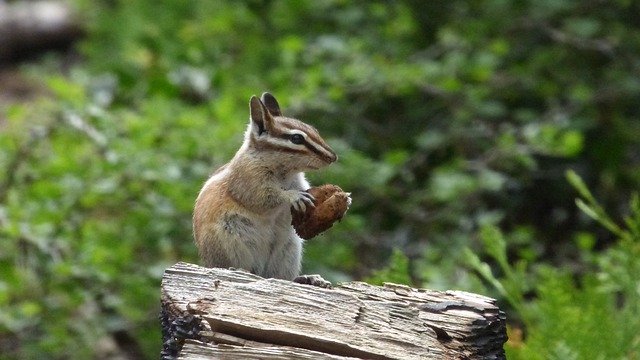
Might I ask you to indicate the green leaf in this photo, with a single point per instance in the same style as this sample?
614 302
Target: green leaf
576 181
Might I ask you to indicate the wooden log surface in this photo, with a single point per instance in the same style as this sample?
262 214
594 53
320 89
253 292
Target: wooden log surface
232 314
28 27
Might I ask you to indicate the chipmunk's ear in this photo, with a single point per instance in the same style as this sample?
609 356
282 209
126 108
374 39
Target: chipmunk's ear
271 103
261 119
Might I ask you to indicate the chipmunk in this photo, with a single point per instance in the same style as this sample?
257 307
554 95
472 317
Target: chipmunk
242 215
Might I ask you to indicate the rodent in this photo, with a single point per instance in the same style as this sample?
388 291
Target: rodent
242 215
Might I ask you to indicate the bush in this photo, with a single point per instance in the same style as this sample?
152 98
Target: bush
593 315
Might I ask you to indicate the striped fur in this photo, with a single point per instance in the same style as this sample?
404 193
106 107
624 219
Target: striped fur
268 132
242 216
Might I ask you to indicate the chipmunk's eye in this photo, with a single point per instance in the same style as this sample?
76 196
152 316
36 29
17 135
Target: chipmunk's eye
297 139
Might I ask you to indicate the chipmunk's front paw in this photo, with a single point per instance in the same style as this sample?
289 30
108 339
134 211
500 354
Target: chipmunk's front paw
313 280
300 200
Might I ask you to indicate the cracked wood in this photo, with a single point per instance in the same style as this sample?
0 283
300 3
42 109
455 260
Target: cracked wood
240 313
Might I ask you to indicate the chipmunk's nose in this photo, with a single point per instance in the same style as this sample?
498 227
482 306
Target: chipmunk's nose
331 156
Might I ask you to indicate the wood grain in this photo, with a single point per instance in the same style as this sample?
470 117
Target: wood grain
271 318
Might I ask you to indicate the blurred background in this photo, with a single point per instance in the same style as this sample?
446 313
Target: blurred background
466 131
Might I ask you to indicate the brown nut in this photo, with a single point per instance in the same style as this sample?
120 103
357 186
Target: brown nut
331 205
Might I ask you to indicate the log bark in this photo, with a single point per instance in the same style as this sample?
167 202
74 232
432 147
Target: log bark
232 314
29 27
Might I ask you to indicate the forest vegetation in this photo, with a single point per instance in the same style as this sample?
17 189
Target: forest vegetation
489 146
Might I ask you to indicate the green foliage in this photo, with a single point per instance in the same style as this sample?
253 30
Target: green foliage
454 123
397 271
513 283
596 315
80 216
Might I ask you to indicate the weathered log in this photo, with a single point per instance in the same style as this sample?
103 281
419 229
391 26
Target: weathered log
28 27
232 314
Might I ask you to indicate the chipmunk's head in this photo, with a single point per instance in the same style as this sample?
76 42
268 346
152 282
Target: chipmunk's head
292 142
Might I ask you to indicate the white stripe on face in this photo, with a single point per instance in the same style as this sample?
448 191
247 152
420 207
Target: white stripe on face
280 137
